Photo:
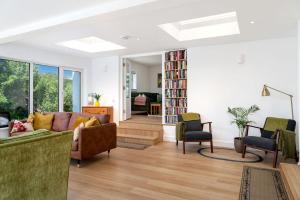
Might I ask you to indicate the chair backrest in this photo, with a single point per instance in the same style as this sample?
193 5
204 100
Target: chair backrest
4 119
192 121
273 123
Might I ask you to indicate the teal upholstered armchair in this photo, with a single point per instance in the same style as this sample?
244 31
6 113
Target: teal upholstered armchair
277 134
190 129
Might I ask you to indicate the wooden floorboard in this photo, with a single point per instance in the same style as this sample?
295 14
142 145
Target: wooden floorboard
158 172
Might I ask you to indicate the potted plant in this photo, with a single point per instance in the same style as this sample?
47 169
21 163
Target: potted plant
97 97
241 120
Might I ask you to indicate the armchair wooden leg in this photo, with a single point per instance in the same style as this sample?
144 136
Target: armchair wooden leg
183 147
244 151
108 151
275 159
200 143
78 163
266 152
176 142
211 146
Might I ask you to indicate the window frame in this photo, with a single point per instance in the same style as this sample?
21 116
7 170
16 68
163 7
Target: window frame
61 69
61 104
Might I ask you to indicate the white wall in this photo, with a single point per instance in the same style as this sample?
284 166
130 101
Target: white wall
216 81
153 71
142 76
104 78
146 77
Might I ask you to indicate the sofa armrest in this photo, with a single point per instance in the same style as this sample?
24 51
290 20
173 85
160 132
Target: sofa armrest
96 139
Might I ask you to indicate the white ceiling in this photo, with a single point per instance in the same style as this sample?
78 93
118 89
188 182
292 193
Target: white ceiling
151 61
273 19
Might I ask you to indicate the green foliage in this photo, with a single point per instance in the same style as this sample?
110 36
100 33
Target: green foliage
97 96
241 117
14 90
68 91
45 91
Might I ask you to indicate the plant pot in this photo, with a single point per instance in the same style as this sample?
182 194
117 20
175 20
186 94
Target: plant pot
238 144
97 104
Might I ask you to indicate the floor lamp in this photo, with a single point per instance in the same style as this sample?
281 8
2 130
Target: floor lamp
266 92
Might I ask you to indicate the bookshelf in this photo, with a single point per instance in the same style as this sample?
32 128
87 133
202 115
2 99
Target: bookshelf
175 85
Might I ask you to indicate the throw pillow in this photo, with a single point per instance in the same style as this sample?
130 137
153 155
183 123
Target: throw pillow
18 127
30 118
77 131
42 121
92 122
79 120
61 121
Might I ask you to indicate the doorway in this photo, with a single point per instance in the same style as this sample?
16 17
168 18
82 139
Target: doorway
142 86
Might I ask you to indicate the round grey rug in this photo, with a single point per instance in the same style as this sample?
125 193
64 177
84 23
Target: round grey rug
229 155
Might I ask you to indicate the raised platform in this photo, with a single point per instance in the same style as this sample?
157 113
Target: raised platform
291 177
141 130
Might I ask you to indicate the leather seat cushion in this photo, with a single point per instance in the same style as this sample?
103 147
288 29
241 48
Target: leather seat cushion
261 142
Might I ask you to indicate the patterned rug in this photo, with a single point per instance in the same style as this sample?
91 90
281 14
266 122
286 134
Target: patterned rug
229 155
262 184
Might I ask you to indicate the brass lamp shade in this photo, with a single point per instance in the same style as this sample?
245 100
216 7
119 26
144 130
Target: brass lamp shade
265 91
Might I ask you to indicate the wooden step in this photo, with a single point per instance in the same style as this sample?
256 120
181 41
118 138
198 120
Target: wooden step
141 126
138 139
133 131
291 177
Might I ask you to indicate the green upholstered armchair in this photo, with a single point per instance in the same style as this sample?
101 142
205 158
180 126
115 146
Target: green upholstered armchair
35 166
277 134
190 129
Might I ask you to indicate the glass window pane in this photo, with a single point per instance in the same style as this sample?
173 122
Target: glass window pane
72 91
14 88
45 88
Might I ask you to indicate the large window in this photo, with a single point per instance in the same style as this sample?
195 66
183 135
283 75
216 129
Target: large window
45 88
14 88
27 87
72 90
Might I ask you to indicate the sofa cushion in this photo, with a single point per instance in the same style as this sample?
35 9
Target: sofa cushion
261 142
61 121
42 121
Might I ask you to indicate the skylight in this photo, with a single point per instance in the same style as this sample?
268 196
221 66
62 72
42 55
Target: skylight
206 27
91 45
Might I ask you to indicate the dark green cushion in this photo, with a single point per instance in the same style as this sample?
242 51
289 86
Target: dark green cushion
194 125
261 142
197 135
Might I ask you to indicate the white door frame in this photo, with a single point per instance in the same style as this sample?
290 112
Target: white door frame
122 109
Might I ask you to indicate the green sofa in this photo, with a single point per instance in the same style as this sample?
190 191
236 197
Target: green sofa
35 166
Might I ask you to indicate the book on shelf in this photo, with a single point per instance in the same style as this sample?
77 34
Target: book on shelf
175 85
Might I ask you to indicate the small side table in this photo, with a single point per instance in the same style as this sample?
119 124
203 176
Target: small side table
155 109
4 132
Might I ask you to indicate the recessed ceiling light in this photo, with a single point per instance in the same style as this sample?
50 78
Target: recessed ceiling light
91 44
205 27
252 22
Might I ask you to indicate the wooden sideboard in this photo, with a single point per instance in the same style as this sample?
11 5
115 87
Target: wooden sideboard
106 110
